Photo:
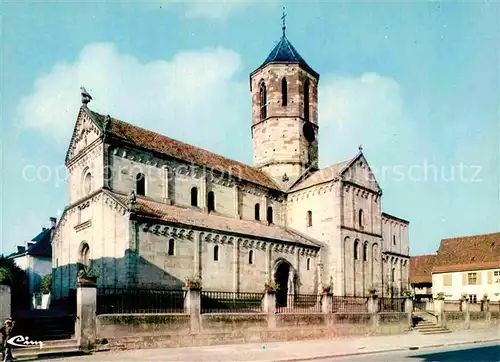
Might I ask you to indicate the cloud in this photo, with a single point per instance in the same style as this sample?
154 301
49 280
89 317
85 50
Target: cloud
198 97
215 10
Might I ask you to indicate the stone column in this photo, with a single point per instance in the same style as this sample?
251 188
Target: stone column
439 310
236 265
236 202
485 306
326 302
86 305
269 272
203 192
166 189
192 306
5 310
198 248
465 309
269 307
409 310
291 290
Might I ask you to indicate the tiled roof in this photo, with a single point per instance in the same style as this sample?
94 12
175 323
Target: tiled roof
284 52
468 253
421 268
324 175
149 140
193 217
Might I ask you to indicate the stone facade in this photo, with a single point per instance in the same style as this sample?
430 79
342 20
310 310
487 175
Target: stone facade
196 214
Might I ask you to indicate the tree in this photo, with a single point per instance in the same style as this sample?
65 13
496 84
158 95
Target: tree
10 273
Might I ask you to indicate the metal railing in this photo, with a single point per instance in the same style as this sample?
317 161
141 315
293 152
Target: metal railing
298 303
341 304
138 300
391 305
231 302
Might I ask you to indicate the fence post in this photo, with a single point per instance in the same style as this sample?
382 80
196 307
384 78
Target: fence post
439 310
269 307
373 309
486 308
409 310
5 311
192 306
86 304
326 302
465 309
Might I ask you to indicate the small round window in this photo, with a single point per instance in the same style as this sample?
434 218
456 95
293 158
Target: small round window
87 183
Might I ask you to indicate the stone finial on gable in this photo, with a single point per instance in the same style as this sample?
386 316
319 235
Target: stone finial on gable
360 148
86 97
106 123
131 201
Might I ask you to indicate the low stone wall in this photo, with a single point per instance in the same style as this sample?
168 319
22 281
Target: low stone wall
455 321
472 320
392 323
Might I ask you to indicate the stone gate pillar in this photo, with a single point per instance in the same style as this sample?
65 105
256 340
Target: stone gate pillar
86 306
5 306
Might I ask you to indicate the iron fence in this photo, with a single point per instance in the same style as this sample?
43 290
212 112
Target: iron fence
342 304
299 303
391 305
136 300
231 302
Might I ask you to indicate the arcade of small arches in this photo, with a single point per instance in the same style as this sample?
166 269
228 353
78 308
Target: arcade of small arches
360 260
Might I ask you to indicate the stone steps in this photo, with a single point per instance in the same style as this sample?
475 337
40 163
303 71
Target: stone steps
426 327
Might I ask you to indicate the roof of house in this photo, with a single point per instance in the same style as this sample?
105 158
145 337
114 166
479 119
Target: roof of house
468 253
421 268
42 246
284 52
320 176
193 217
155 142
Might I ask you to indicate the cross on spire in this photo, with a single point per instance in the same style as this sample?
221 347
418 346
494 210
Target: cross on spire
283 17
360 148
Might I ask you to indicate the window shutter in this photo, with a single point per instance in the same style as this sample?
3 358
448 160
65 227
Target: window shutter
479 278
490 277
464 278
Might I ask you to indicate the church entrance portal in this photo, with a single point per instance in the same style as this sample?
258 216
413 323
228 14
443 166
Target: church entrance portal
281 278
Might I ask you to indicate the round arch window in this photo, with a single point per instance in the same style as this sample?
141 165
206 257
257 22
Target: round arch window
87 183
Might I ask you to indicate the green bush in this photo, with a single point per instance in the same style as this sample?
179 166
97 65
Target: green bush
46 284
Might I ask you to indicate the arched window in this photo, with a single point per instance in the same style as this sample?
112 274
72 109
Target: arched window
365 251
171 247
194 196
284 92
211 201
393 275
85 254
306 99
263 101
360 218
250 257
394 239
216 252
87 183
308 264
257 211
309 218
356 249
140 184
270 215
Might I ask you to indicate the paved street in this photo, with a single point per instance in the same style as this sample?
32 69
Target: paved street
324 350
477 353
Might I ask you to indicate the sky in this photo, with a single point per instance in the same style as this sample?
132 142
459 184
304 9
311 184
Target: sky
415 83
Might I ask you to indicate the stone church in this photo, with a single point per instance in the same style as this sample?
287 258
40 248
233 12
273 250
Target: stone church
149 211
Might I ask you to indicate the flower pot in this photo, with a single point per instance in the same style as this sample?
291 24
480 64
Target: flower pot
86 280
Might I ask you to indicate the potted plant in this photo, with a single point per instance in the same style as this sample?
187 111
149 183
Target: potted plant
87 275
271 287
407 293
440 296
193 283
372 291
326 289
485 297
463 296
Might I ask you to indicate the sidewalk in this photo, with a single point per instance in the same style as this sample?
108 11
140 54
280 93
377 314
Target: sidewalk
300 350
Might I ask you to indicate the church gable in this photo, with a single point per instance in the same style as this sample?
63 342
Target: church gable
359 172
85 132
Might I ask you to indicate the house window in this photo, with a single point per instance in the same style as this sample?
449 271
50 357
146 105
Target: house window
471 278
194 196
472 298
308 264
140 184
171 247
309 218
211 201
284 92
250 257
270 215
365 252
356 250
216 253
257 211
360 216
263 101
394 240
496 277
306 99
447 280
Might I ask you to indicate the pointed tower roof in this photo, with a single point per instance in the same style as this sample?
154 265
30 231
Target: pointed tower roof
284 52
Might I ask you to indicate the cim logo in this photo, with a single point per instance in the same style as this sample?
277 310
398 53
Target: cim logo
20 341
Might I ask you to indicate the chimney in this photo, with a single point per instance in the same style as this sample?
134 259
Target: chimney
53 222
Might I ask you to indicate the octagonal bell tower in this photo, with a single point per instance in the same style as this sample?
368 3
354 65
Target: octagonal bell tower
284 114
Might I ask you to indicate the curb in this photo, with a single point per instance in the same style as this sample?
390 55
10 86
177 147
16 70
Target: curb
399 349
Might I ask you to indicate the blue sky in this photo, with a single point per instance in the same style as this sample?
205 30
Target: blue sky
416 83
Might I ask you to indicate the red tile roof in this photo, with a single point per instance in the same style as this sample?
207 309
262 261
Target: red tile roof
468 253
152 141
193 217
421 268
320 176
